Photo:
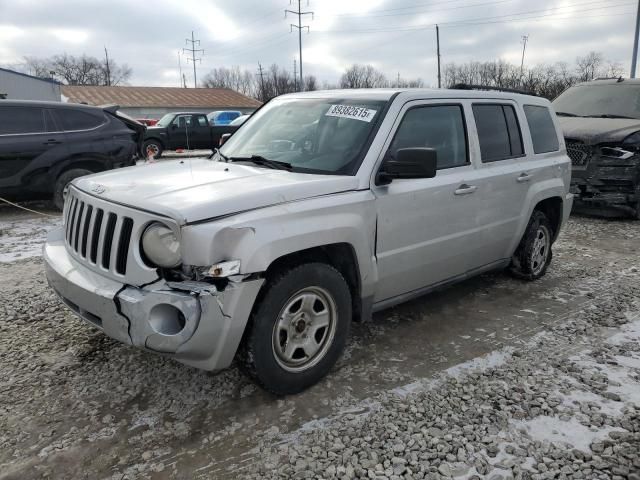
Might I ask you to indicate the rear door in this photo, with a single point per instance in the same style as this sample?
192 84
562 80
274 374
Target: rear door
24 143
426 227
503 179
85 133
200 134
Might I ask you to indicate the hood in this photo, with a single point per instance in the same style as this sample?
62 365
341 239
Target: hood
190 190
598 130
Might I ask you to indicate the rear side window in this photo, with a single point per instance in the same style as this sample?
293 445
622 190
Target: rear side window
543 131
15 120
202 121
77 120
440 127
498 132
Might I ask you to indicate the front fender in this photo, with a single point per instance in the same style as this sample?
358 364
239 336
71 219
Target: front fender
259 237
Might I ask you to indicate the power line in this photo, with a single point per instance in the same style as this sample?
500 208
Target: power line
193 58
487 20
300 27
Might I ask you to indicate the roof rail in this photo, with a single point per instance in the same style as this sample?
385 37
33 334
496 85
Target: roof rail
466 86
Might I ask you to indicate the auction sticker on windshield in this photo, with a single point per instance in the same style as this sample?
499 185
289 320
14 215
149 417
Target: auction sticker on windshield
348 111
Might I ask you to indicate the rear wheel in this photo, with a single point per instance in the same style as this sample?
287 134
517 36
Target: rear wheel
152 147
299 329
62 184
533 255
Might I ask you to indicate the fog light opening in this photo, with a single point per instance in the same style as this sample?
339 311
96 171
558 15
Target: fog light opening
166 319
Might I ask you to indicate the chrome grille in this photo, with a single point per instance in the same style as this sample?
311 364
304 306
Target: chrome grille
579 153
98 236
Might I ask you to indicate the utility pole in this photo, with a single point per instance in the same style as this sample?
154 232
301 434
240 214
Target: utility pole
193 58
634 59
295 75
300 27
106 61
398 82
525 39
184 81
261 75
438 47
180 70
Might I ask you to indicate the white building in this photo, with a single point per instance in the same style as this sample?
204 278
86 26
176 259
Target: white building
20 86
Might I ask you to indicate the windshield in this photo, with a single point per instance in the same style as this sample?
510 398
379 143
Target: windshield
165 121
313 135
615 99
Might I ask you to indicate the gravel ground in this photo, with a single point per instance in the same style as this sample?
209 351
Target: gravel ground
493 378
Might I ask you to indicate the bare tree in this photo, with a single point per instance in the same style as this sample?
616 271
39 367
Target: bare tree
82 70
235 78
310 83
589 66
363 76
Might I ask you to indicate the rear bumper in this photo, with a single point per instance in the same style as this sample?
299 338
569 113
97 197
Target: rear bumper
191 322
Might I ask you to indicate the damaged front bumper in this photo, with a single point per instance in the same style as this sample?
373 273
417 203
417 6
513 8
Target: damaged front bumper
604 179
192 322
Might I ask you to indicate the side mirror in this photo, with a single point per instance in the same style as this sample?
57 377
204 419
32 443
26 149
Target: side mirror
174 126
223 138
409 163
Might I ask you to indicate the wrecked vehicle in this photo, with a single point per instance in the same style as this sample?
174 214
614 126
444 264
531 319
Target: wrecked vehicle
601 124
324 207
45 145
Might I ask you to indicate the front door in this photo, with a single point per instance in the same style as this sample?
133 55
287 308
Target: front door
426 227
179 132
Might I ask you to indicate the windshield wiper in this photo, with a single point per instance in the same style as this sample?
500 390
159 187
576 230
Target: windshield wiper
260 160
566 114
609 115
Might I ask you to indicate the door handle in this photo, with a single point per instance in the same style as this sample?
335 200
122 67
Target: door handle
52 141
524 177
465 189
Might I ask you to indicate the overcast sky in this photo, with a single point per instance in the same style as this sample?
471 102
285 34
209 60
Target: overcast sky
397 36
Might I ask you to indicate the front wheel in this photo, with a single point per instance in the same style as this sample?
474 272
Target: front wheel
299 329
533 255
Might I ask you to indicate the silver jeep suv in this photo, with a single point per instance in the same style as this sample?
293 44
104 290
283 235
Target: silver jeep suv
321 209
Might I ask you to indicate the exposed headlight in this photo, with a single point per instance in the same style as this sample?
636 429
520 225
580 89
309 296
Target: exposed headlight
633 139
160 246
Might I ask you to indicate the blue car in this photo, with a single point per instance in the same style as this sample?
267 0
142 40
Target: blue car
223 117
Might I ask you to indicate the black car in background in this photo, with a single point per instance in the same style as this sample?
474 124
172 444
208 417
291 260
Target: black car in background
601 125
187 130
45 145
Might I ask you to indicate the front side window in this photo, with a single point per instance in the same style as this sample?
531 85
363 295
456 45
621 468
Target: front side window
182 121
543 131
311 135
21 120
498 132
75 120
440 127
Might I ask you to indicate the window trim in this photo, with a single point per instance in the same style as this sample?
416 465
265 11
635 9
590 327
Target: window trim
427 105
515 114
551 113
58 121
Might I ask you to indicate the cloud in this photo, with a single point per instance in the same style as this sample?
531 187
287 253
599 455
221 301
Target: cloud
396 36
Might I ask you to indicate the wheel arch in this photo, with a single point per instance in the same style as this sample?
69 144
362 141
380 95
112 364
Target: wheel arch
552 208
342 256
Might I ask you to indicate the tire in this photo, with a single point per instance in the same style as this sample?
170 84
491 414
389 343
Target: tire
155 146
63 181
534 253
283 351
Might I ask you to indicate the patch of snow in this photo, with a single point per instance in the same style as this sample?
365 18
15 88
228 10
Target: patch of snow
629 332
24 238
576 397
570 432
490 360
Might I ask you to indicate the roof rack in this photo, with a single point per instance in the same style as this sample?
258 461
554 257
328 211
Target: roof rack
466 86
